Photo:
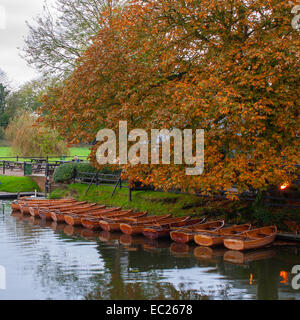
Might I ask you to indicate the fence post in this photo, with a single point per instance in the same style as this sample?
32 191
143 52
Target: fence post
129 194
97 179
4 167
47 179
24 168
120 183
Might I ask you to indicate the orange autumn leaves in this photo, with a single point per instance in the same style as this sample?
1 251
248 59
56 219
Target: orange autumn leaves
228 67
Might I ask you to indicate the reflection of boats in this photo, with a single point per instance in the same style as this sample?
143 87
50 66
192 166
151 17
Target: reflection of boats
44 223
185 235
152 245
136 225
57 227
17 214
71 230
213 238
206 253
239 257
253 239
89 234
106 236
128 240
180 249
110 222
34 221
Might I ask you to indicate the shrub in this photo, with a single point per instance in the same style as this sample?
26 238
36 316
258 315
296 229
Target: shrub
66 171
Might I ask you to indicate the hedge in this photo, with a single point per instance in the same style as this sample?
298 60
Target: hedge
66 171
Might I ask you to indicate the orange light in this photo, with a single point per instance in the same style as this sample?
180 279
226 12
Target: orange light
284 276
251 278
284 186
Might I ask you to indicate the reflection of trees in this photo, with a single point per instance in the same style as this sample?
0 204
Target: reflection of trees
129 272
139 275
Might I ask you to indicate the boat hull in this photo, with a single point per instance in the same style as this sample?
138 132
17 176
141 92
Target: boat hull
181 236
253 239
240 245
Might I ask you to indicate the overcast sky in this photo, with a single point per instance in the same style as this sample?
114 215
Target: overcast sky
13 14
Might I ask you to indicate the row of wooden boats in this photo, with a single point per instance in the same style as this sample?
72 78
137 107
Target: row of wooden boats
181 229
134 243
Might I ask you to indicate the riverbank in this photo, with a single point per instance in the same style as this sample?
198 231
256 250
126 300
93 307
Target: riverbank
12 184
158 203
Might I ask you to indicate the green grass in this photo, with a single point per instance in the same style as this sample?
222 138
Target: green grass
17 184
5 153
158 203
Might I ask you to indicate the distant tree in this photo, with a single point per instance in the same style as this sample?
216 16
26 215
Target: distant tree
4 91
54 43
28 139
25 98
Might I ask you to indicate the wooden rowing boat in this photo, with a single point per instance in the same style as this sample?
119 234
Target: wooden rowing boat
47 203
16 205
135 226
59 217
253 239
95 223
163 229
214 238
112 224
34 209
75 219
47 214
185 235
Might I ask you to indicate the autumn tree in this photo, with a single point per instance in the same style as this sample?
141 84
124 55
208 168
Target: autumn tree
230 67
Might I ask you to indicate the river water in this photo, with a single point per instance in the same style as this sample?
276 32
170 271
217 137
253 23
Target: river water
42 261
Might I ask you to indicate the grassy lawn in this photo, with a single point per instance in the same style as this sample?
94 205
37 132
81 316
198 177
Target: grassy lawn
158 203
17 184
5 153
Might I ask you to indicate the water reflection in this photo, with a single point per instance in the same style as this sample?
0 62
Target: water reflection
46 260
